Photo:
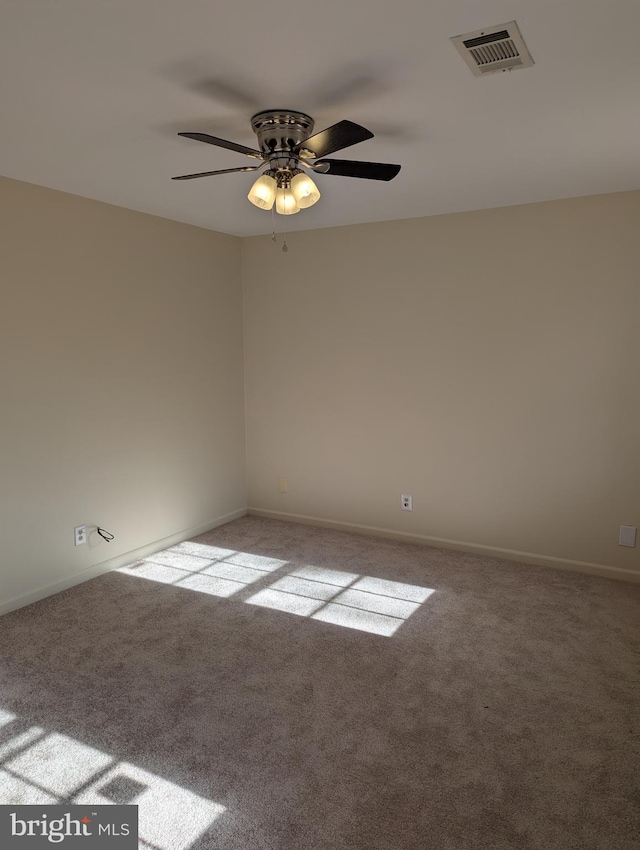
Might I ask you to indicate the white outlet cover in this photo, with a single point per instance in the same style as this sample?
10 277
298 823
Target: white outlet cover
627 536
406 502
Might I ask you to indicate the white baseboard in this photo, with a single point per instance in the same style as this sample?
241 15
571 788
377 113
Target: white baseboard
114 563
460 546
442 543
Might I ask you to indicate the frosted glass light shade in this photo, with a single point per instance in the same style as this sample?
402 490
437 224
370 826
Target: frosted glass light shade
263 192
285 202
304 191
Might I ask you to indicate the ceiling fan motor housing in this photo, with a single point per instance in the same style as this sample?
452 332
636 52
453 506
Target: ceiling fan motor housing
281 130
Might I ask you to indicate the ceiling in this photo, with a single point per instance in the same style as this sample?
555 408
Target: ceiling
92 95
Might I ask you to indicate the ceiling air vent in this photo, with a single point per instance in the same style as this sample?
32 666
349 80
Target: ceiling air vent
499 48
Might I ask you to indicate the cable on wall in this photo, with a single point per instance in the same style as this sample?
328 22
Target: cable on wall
106 535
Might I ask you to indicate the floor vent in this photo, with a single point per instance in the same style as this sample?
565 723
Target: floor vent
499 48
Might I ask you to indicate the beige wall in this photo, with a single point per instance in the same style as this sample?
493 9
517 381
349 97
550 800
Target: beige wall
486 363
121 384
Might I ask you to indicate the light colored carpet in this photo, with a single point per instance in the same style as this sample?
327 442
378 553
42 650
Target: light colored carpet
272 686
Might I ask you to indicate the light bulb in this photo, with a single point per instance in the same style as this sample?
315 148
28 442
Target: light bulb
263 192
285 201
304 190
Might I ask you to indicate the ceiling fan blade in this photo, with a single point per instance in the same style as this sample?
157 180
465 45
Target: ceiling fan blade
348 85
335 138
223 171
201 77
230 93
351 168
222 143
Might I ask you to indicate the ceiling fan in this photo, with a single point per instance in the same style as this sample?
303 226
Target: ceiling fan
289 153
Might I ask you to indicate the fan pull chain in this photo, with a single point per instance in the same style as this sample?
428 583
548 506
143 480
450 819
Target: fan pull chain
285 247
284 235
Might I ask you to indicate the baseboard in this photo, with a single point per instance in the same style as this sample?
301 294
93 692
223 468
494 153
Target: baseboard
460 546
115 563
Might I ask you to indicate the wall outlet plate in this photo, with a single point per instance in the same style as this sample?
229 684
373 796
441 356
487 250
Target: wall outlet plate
80 535
627 535
406 502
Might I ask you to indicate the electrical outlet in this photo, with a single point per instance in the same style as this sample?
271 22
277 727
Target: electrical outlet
80 534
282 485
627 536
406 502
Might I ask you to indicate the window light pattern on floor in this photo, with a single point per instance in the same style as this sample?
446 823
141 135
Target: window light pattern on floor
38 767
345 599
207 569
375 605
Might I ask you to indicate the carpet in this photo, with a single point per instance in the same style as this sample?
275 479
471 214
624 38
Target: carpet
274 686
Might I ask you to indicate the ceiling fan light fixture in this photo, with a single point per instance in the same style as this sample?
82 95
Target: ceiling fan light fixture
263 192
305 191
285 145
285 201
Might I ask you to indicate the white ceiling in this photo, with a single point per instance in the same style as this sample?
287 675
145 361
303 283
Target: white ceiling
93 92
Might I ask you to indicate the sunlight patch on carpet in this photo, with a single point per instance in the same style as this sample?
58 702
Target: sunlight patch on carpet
338 578
204 568
21 740
170 818
369 604
6 717
348 599
364 621
58 764
48 768
16 792
291 603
